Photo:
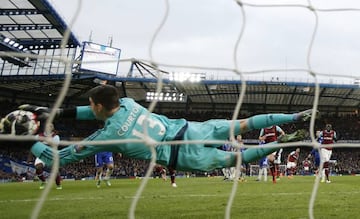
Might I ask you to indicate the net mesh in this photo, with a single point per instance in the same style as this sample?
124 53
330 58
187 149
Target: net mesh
238 66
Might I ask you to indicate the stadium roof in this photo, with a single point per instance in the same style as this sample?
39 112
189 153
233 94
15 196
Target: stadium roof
31 24
206 95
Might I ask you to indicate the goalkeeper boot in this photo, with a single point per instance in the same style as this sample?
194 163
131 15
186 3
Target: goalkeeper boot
98 184
295 136
108 183
305 115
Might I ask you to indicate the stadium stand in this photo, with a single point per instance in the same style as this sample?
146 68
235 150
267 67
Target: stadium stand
347 160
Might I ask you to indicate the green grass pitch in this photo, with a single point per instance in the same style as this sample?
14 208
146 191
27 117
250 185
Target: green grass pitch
193 198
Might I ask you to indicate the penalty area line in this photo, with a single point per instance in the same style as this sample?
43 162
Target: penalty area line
174 196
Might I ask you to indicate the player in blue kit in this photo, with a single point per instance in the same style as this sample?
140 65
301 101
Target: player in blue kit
315 154
124 119
104 159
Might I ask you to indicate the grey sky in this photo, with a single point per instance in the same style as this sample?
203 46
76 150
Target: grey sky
204 32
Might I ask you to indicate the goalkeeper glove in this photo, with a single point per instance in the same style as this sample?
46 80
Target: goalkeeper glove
4 124
12 125
19 122
43 113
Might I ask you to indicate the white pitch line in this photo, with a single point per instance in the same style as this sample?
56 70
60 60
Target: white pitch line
173 196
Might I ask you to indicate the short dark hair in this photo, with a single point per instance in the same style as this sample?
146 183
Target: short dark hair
106 95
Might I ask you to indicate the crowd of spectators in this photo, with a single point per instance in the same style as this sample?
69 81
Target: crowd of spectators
346 161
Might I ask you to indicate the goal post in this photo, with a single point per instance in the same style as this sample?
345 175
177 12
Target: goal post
254 170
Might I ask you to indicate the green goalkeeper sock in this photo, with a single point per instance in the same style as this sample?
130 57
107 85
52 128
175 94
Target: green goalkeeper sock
253 154
266 120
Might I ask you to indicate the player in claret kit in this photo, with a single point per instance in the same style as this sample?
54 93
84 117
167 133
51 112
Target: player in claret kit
307 166
126 120
328 137
292 161
158 169
268 135
40 165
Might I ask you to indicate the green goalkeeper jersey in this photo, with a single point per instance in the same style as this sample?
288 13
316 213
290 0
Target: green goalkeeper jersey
127 126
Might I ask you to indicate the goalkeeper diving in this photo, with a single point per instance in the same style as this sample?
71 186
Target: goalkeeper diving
124 119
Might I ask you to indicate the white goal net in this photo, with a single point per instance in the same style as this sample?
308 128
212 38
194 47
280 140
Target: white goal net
231 40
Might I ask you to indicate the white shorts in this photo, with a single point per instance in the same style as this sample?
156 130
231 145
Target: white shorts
278 158
290 165
325 154
38 161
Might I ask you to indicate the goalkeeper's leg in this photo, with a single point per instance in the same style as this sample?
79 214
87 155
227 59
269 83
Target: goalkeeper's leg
253 154
266 120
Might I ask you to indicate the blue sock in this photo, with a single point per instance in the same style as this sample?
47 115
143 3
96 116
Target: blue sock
266 120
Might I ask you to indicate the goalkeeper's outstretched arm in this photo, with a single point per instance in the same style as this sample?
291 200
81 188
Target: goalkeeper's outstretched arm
254 154
67 155
79 113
